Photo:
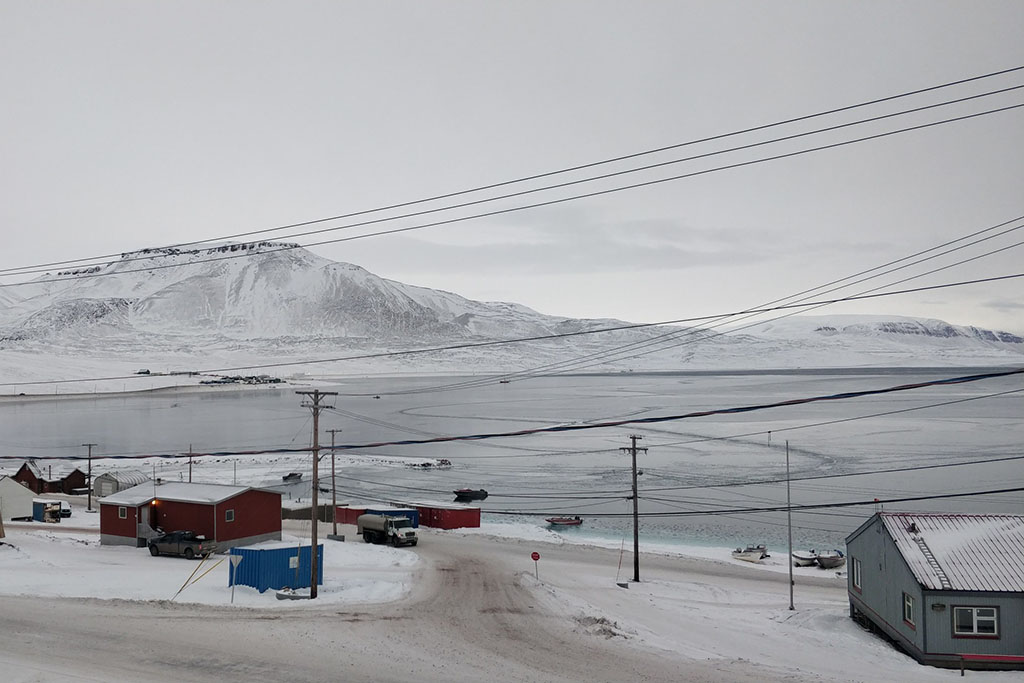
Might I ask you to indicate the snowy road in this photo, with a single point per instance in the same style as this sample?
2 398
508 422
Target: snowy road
476 613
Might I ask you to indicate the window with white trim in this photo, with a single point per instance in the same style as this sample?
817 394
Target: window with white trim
229 515
122 512
976 621
908 608
856 573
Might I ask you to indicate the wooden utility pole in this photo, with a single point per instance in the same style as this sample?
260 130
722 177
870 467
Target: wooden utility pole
88 477
632 449
334 497
315 406
789 527
190 463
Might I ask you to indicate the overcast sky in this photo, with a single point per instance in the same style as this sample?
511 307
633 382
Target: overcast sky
129 125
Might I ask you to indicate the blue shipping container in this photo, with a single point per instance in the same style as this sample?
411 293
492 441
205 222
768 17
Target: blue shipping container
412 513
276 568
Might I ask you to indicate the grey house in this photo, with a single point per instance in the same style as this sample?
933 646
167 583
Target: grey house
948 589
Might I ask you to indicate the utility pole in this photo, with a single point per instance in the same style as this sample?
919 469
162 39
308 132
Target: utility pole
632 449
88 478
334 497
315 406
789 526
190 463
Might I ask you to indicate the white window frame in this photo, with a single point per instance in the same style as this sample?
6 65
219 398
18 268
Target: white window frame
975 633
856 574
908 609
122 512
229 515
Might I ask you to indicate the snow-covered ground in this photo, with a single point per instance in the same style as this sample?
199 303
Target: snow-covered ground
46 561
705 618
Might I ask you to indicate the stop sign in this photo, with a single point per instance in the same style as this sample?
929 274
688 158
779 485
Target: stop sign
535 555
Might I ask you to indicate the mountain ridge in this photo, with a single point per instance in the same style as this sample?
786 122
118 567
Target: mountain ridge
283 299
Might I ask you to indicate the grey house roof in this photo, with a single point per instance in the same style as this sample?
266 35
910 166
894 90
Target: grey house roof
182 492
961 552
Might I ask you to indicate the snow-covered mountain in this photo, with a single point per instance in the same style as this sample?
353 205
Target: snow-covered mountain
279 302
276 291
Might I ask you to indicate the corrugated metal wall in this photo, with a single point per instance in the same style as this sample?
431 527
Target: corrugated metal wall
264 568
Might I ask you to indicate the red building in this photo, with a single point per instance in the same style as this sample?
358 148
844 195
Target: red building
230 515
41 476
348 514
448 515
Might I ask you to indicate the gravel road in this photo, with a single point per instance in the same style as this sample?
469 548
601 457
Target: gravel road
475 613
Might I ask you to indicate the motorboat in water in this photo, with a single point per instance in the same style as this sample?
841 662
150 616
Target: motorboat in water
752 553
564 521
805 558
830 559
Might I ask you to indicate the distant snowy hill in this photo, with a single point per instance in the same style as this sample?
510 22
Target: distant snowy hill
198 307
270 294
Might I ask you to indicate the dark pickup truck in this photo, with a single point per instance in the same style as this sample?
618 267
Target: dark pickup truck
183 543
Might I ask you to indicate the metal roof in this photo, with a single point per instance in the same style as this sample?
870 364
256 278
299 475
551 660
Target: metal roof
127 477
961 552
181 492
50 470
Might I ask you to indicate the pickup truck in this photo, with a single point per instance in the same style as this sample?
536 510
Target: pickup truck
382 529
184 543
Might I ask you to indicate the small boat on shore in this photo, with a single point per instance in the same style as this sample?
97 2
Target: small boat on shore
830 559
752 553
292 476
564 521
470 494
805 558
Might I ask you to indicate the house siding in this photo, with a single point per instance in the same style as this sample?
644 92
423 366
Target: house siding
177 516
257 513
886 576
1011 624
113 526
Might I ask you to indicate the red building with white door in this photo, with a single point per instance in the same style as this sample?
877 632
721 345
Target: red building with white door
230 515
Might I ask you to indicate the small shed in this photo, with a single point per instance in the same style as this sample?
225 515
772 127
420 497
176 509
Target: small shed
276 566
109 483
44 510
15 500
947 588
230 515
448 515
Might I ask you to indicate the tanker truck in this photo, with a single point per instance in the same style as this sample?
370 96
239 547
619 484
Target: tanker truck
382 529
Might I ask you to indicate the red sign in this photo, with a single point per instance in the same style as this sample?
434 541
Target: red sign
535 556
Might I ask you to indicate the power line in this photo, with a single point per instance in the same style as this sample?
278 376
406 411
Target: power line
782 508
964 379
515 209
561 171
563 335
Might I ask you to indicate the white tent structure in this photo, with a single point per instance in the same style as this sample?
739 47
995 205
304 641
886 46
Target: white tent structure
15 499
